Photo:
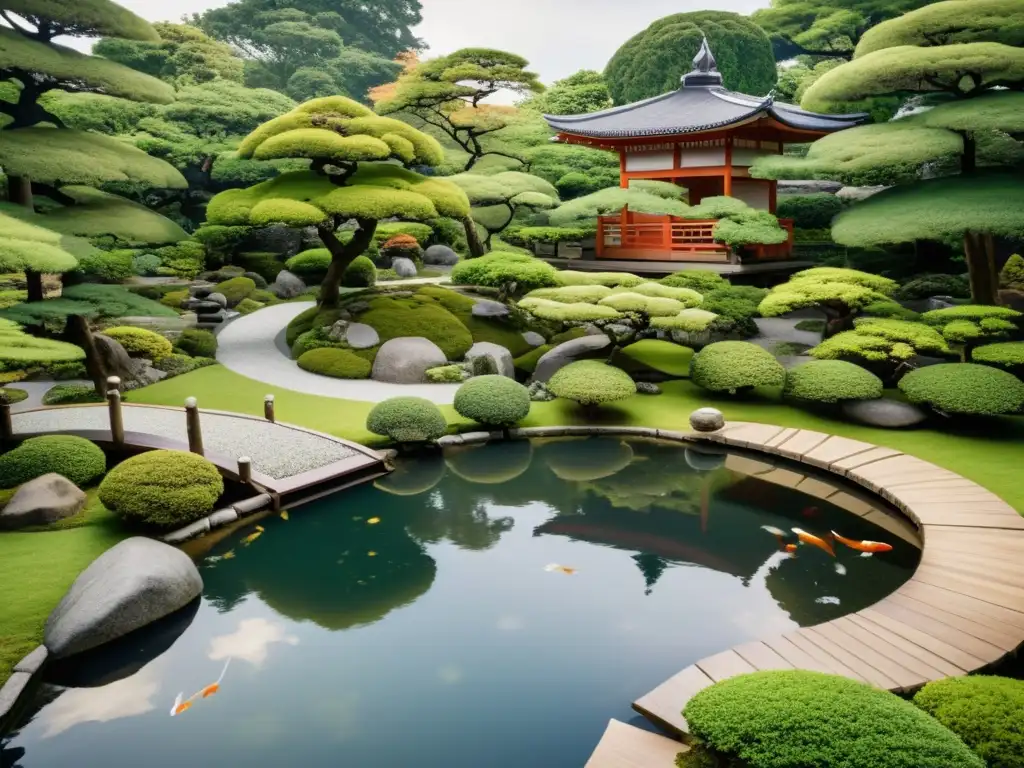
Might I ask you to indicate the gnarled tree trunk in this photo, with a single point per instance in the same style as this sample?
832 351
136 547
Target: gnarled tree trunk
476 248
979 251
342 254
78 332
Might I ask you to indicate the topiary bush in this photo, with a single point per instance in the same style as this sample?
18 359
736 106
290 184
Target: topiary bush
737 303
662 356
361 273
831 381
235 289
700 280
493 401
162 488
814 211
67 394
591 383
407 420
1008 355
983 710
175 365
653 306
798 719
446 374
499 269
964 388
197 343
140 342
608 279
146 264
970 324
107 266
310 265
400 246
334 362
76 458
1012 273
926 286
578 312
733 366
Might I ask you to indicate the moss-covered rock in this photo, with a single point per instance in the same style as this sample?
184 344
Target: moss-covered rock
336 363
662 356
140 342
235 289
396 318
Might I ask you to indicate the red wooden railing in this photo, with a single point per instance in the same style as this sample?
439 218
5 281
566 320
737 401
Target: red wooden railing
629 235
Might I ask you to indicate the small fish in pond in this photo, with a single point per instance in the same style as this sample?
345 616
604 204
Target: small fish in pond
827 601
284 514
212 688
180 706
229 555
810 512
869 547
773 530
791 548
253 536
814 541
373 521
371 553
840 569
552 567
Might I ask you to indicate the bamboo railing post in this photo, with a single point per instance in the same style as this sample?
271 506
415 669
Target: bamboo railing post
268 409
6 428
114 411
244 469
195 432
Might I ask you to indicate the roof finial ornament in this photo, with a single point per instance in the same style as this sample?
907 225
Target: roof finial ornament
705 70
704 61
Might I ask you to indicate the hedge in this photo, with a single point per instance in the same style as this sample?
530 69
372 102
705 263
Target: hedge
1007 354
609 279
235 289
361 273
926 286
66 394
76 458
591 382
493 401
985 711
730 366
831 381
700 280
337 363
197 343
798 719
498 269
139 342
814 211
662 356
407 420
162 488
964 388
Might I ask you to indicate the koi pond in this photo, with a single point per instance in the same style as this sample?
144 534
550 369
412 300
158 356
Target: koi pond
492 606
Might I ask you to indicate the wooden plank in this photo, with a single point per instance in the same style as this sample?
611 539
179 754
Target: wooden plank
869 652
996 520
663 706
962 659
834 449
804 441
835 665
761 656
897 652
952 550
980 649
724 665
854 662
1000 639
974 564
979 586
864 458
965 605
933 660
625 746
797 657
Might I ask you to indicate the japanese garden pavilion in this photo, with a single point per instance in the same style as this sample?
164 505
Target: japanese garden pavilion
700 136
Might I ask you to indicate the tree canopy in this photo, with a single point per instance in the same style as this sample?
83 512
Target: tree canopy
184 55
652 62
947 23
580 93
839 293
27 247
583 211
77 18
496 199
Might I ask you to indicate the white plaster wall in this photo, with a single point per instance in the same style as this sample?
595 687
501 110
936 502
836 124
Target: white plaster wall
742 156
701 157
649 161
753 193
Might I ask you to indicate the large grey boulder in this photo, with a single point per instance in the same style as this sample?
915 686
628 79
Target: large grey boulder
501 357
889 414
287 285
42 501
856 194
116 360
405 360
555 359
129 586
276 238
534 339
440 255
403 267
361 336
488 308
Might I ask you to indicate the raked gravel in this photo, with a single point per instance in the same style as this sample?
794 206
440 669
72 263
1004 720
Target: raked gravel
276 450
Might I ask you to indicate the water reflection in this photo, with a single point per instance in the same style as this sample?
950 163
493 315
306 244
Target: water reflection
250 642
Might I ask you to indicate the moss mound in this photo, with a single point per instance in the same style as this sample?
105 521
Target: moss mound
336 363
731 366
140 342
197 343
985 711
1008 355
964 388
395 318
407 420
162 488
796 719
662 356
235 289
76 458
831 381
528 362
493 401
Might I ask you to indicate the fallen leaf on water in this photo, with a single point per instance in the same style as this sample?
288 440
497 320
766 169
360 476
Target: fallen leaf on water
560 568
229 555
284 514
373 521
371 553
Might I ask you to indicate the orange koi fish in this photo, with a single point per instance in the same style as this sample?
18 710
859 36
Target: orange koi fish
814 541
212 688
253 536
791 548
870 547
180 706
552 567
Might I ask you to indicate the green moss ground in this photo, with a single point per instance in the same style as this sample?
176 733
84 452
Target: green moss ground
36 568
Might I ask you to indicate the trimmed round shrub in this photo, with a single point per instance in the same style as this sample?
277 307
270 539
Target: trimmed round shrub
983 710
591 382
235 289
79 460
964 388
926 286
499 269
831 381
731 366
361 273
247 306
162 488
493 400
337 363
311 264
700 280
1008 355
662 356
140 342
197 343
66 394
814 211
407 420
798 719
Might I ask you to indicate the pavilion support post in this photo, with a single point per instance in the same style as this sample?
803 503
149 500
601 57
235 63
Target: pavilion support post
623 181
114 410
192 425
727 179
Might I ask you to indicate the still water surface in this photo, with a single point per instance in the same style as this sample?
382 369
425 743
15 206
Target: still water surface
420 622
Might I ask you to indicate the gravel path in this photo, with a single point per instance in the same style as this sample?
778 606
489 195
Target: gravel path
275 449
250 346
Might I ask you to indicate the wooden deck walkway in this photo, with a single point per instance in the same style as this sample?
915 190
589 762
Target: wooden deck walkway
624 746
961 611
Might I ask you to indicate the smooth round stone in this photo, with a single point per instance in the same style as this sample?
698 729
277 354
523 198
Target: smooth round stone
218 298
707 420
703 462
533 338
488 308
885 413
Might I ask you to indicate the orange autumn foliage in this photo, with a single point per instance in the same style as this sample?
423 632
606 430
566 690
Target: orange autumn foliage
409 61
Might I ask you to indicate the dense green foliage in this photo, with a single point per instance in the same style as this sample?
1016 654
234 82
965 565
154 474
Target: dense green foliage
926 286
582 212
336 363
1012 273
591 383
810 211
882 340
982 710
609 279
500 269
831 381
1008 355
579 93
948 23
964 388
394 318
797 719
234 289
407 420
700 280
970 324
162 488
651 62
140 342
836 291
662 356
76 458
733 366
70 394
197 343
25 246
493 401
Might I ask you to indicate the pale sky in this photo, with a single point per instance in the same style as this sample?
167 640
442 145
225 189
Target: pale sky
557 36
